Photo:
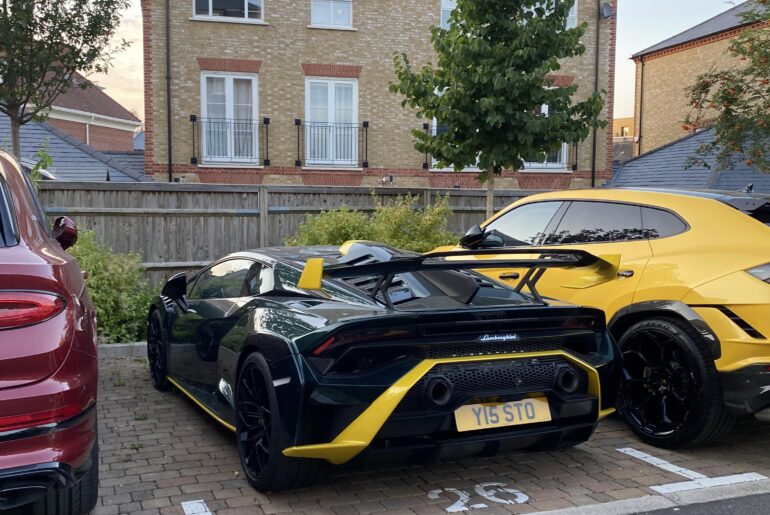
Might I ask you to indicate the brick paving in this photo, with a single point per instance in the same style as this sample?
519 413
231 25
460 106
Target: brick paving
159 450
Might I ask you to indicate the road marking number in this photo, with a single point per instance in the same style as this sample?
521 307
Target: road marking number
491 492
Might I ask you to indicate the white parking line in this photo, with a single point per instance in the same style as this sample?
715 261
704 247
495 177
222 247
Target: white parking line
195 508
697 480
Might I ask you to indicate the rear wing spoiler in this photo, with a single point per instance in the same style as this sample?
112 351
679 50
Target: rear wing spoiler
594 270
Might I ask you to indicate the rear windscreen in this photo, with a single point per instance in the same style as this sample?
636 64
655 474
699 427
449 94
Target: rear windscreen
7 233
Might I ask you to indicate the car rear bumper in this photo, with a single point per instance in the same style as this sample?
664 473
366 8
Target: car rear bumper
400 417
37 459
22 485
747 390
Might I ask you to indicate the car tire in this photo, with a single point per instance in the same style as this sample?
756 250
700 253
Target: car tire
157 354
260 440
79 499
670 393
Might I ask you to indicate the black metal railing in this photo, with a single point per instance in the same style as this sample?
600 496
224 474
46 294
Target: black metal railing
230 141
332 144
563 158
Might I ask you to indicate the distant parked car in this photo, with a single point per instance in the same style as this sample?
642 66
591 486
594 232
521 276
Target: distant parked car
690 308
48 362
314 354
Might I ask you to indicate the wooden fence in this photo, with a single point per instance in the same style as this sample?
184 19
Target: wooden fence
180 227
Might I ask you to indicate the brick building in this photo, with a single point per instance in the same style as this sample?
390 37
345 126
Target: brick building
94 118
296 92
664 70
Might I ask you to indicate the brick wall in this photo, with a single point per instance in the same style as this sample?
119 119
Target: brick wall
99 138
74 129
658 116
286 50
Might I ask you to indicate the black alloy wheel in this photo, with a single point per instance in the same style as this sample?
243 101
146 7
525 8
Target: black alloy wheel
156 352
254 427
670 392
259 435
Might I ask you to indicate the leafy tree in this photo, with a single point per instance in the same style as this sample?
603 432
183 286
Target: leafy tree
490 84
736 100
43 43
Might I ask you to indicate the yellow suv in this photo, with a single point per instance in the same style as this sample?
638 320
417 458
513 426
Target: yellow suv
690 308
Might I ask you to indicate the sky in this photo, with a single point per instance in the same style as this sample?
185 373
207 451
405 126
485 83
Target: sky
641 23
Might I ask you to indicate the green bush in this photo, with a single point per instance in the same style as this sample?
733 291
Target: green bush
398 223
117 288
333 228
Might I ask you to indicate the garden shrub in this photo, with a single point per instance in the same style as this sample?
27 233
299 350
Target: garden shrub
332 228
117 288
398 223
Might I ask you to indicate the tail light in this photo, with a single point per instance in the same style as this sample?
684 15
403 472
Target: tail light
364 336
38 418
761 272
23 308
589 323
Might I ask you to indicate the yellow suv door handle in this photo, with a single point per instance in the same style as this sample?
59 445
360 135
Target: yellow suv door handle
511 275
626 273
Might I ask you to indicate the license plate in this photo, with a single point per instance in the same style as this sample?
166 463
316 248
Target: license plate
473 417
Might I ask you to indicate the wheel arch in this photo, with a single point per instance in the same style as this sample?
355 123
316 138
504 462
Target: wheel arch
284 365
629 315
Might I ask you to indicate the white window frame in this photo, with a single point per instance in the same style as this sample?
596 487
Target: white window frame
229 19
434 162
230 116
331 81
446 5
562 166
572 19
331 25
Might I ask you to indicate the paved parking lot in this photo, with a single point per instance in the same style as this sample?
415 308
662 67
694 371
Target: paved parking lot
159 451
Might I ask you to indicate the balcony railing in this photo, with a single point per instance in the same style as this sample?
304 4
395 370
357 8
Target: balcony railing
332 144
563 158
229 141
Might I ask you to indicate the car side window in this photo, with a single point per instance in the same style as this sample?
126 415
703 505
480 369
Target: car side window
42 219
222 281
258 280
594 222
524 225
658 223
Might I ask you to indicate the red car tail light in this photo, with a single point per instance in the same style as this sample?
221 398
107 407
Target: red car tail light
364 336
23 308
38 418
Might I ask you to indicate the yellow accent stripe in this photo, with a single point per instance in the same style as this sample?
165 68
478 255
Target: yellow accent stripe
606 413
202 406
360 433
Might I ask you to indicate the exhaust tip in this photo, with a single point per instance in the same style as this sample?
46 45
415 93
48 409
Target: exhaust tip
567 380
439 391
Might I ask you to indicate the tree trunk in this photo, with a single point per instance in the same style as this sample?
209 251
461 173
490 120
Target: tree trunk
490 192
15 141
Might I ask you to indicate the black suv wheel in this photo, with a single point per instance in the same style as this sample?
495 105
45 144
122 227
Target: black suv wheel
670 392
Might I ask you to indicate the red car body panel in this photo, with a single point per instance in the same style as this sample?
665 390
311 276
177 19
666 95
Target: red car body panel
48 370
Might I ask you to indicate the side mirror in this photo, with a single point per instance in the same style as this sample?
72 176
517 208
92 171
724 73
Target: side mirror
65 231
176 287
473 237
492 240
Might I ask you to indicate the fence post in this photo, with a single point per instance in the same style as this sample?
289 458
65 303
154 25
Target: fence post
426 194
264 215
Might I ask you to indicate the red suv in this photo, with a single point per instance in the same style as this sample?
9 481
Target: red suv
48 362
